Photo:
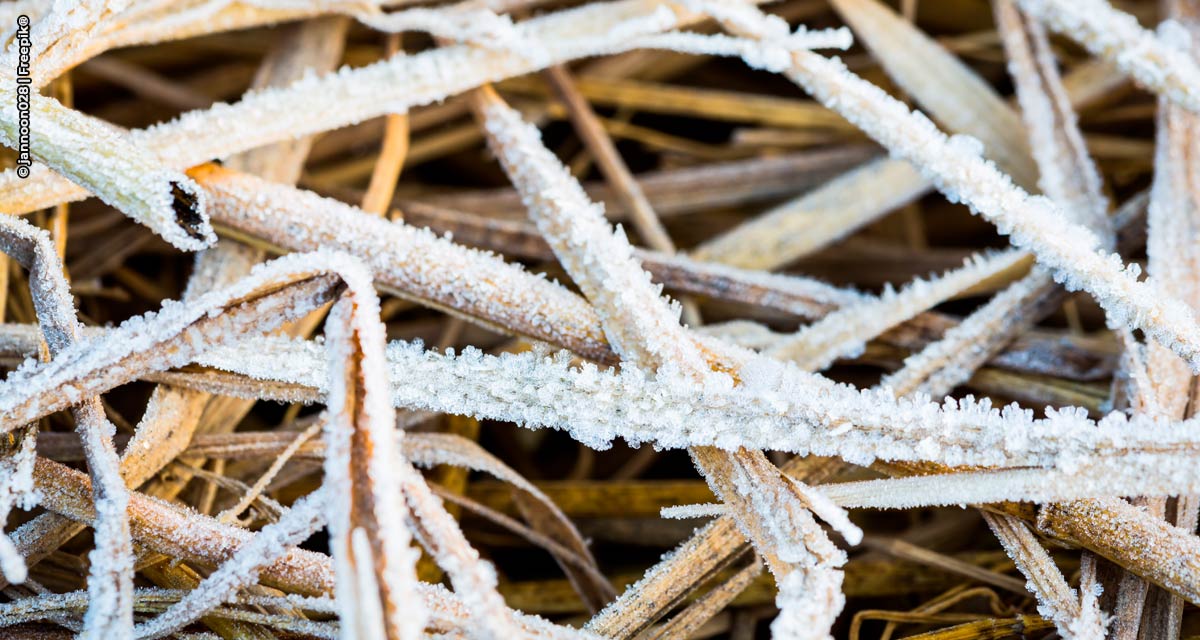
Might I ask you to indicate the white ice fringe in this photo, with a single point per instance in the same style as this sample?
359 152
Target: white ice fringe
689 511
776 407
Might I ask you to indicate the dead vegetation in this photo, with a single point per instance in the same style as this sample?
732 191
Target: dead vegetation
490 304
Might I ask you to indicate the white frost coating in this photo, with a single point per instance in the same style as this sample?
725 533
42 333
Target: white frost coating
1153 61
113 167
776 407
809 603
640 325
943 365
773 55
689 511
299 522
1033 223
1092 623
110 577
355 95
1144 478
845 332
1068 176
464 22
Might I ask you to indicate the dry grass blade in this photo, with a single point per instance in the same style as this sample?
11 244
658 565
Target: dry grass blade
570 421
111 580
645 331
1157 62
268 116
103 161
945 87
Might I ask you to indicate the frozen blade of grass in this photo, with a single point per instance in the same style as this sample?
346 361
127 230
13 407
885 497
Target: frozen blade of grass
845 332
360 464
413 261
350 96
110 581
275 293
113 167
302 520
640 325
1159 62
949 90
1056 599
776 407
1067 174
646 332
361 424
999 485
943 365
1032 222
848 202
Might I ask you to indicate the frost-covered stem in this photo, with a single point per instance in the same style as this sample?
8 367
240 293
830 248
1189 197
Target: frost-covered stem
776 408
110 582
1056 599
1157 62
951 361
413 261
644 330
390 86
1034 223
100 160
1067 174
642 327
360 466
299 522
845 332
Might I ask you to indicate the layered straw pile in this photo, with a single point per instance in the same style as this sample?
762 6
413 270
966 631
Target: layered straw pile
335 370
